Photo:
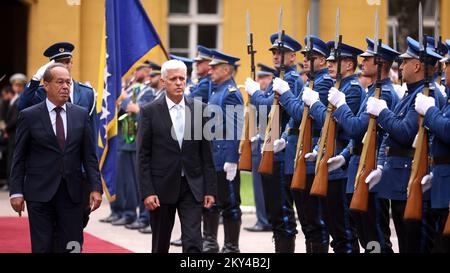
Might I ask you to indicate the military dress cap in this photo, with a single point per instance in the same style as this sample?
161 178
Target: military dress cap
346 51
222 58
156 69
413 52
385 52
289 43
265 70
18 78
446 59
59 51
318 45
441 48
204 54
188 62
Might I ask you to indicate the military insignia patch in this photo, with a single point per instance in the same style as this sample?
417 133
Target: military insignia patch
61 49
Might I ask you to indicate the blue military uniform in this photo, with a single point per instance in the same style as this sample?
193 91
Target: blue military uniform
396 154
368 224
276 188
204 87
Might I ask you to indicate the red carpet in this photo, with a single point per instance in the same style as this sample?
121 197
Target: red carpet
15 238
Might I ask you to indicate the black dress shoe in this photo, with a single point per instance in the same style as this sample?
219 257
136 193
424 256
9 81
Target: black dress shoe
258 228
177 242
121 222
136 225
146 230
109 219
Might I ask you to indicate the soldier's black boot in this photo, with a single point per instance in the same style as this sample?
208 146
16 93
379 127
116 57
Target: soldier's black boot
210 227
232 230
284 244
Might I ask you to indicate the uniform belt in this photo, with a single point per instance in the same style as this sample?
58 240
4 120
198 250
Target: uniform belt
357 150
390 151
440 160
292 131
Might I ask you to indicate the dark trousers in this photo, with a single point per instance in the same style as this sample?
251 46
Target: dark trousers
126 188
413 236
229 196
258 194
60 218
163 218
310 215
279 202
441 242
338 220
369 225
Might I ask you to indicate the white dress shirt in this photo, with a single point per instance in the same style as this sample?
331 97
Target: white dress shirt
71 92
173 111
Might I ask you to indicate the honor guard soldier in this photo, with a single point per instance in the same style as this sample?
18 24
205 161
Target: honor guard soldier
226 107
80 94
276 187
370 224
438 75
204 86
309 208
438 123
396 151
337 215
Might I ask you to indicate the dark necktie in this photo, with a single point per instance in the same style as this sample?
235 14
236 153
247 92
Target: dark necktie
60 128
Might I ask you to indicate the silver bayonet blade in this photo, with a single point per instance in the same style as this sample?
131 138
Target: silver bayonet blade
248 28
420 27
436 25
308 31
336 39
375 37
394 36
280 24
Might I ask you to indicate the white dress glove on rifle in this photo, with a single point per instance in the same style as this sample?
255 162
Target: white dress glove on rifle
335 163
251 86
374 177
254 138
426 182
230 169
375 106
40 73
278 145
311 156
310 96
336 97
423 103
280 86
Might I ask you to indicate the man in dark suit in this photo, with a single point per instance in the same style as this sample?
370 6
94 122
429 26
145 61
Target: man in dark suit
175 164
53 141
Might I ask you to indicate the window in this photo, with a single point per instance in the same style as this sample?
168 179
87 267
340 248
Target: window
194 22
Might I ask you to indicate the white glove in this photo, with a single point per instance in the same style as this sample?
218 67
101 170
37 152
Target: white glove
230 169
40 72
280 86
310 96
426 182
375 106
335 163
251 86
374 177
254 138
423 103
278 145
311 156
336 97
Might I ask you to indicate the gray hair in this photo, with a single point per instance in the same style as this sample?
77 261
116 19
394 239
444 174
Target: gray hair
172 65
48 76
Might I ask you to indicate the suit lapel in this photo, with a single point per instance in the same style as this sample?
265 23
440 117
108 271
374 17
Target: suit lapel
70 121
47 123
189 125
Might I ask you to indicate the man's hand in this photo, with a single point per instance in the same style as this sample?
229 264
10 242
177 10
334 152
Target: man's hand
280 86
231 170
335 163
95 199
251 86
310 96
374 177
423 103
311 156
278 145
375 106
336 97
133 107
152 202
208 201
18 204
40 73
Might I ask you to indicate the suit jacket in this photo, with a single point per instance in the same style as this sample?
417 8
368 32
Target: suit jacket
39 164
160 158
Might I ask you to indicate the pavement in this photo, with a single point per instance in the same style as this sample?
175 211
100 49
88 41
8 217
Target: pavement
250 242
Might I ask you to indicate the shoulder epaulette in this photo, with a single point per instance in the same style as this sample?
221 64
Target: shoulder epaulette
232 88
354 82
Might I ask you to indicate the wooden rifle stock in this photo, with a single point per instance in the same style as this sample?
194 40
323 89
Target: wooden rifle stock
303 147
272 133
447 227
245 146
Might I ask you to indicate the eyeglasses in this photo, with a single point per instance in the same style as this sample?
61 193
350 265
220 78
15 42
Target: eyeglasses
62 82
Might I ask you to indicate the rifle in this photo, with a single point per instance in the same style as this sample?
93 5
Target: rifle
447 227
245 146
328 133
368 159
304 142
273 122
413 209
